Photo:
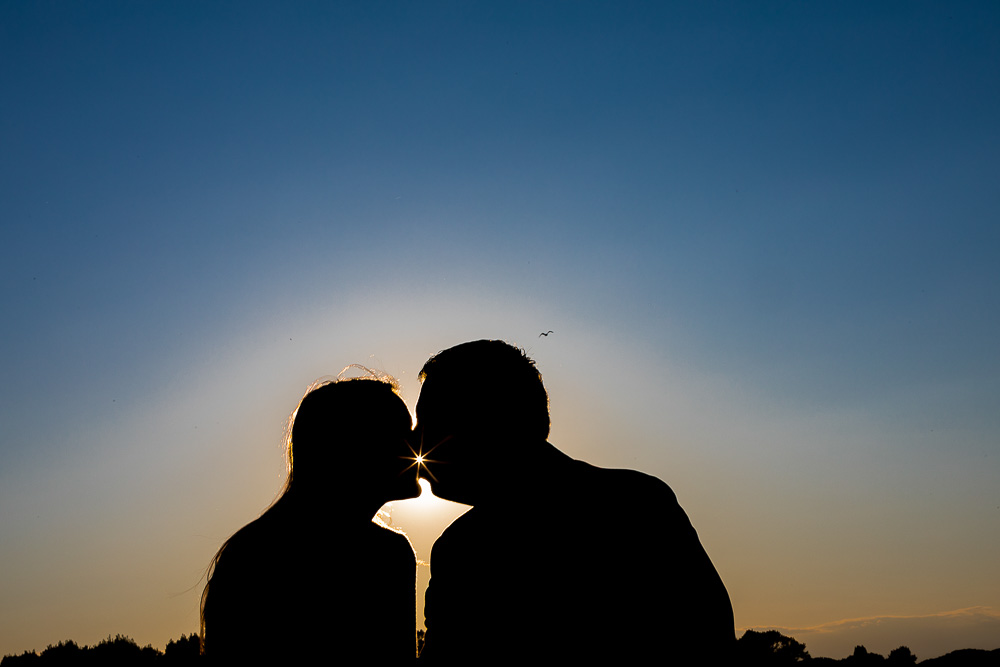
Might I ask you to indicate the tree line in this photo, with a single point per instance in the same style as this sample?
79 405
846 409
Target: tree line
113 651
754 649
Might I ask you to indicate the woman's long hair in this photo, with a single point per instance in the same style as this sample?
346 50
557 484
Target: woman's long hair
304 444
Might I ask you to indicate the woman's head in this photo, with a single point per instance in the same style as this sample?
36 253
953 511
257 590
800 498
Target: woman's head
348 452
349 438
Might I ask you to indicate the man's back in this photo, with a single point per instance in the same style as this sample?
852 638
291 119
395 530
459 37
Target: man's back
578 562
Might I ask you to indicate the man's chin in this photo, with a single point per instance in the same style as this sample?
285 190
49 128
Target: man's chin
462 496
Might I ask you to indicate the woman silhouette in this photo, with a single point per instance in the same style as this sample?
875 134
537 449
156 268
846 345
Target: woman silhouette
315 577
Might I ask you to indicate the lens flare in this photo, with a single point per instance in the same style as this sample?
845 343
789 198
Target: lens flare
421 461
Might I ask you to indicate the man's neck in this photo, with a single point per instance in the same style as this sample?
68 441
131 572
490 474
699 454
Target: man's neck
530 467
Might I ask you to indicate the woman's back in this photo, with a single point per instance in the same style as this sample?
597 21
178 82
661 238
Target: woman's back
291 592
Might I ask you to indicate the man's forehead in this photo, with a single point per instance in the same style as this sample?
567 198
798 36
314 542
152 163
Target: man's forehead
428 392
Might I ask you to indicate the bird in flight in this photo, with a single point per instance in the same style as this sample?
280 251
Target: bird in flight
545 333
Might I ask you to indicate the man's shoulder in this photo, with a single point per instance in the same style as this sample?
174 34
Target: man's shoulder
623 482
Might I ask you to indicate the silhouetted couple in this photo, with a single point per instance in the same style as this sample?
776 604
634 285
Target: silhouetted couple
556 559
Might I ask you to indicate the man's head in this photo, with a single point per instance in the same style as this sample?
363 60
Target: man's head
478 400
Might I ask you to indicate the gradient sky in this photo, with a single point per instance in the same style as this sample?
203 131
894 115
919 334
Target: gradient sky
766 237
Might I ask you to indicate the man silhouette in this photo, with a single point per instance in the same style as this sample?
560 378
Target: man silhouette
557 558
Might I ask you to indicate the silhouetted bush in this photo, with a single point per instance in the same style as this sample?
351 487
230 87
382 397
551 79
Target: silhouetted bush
967 657
769 648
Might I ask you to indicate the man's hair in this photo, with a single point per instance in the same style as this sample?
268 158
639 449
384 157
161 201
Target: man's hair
491 382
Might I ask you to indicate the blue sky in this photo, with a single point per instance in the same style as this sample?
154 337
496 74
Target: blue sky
765 237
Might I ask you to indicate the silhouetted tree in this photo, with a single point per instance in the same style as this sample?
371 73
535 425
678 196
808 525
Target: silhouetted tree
862 657
902 656
62 653
183 651
26 659
120 650
769 648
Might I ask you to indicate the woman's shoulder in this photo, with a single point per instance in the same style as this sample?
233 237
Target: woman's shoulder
388 534
253 542
395 541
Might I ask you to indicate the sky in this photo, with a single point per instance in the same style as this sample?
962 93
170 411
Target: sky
765 237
